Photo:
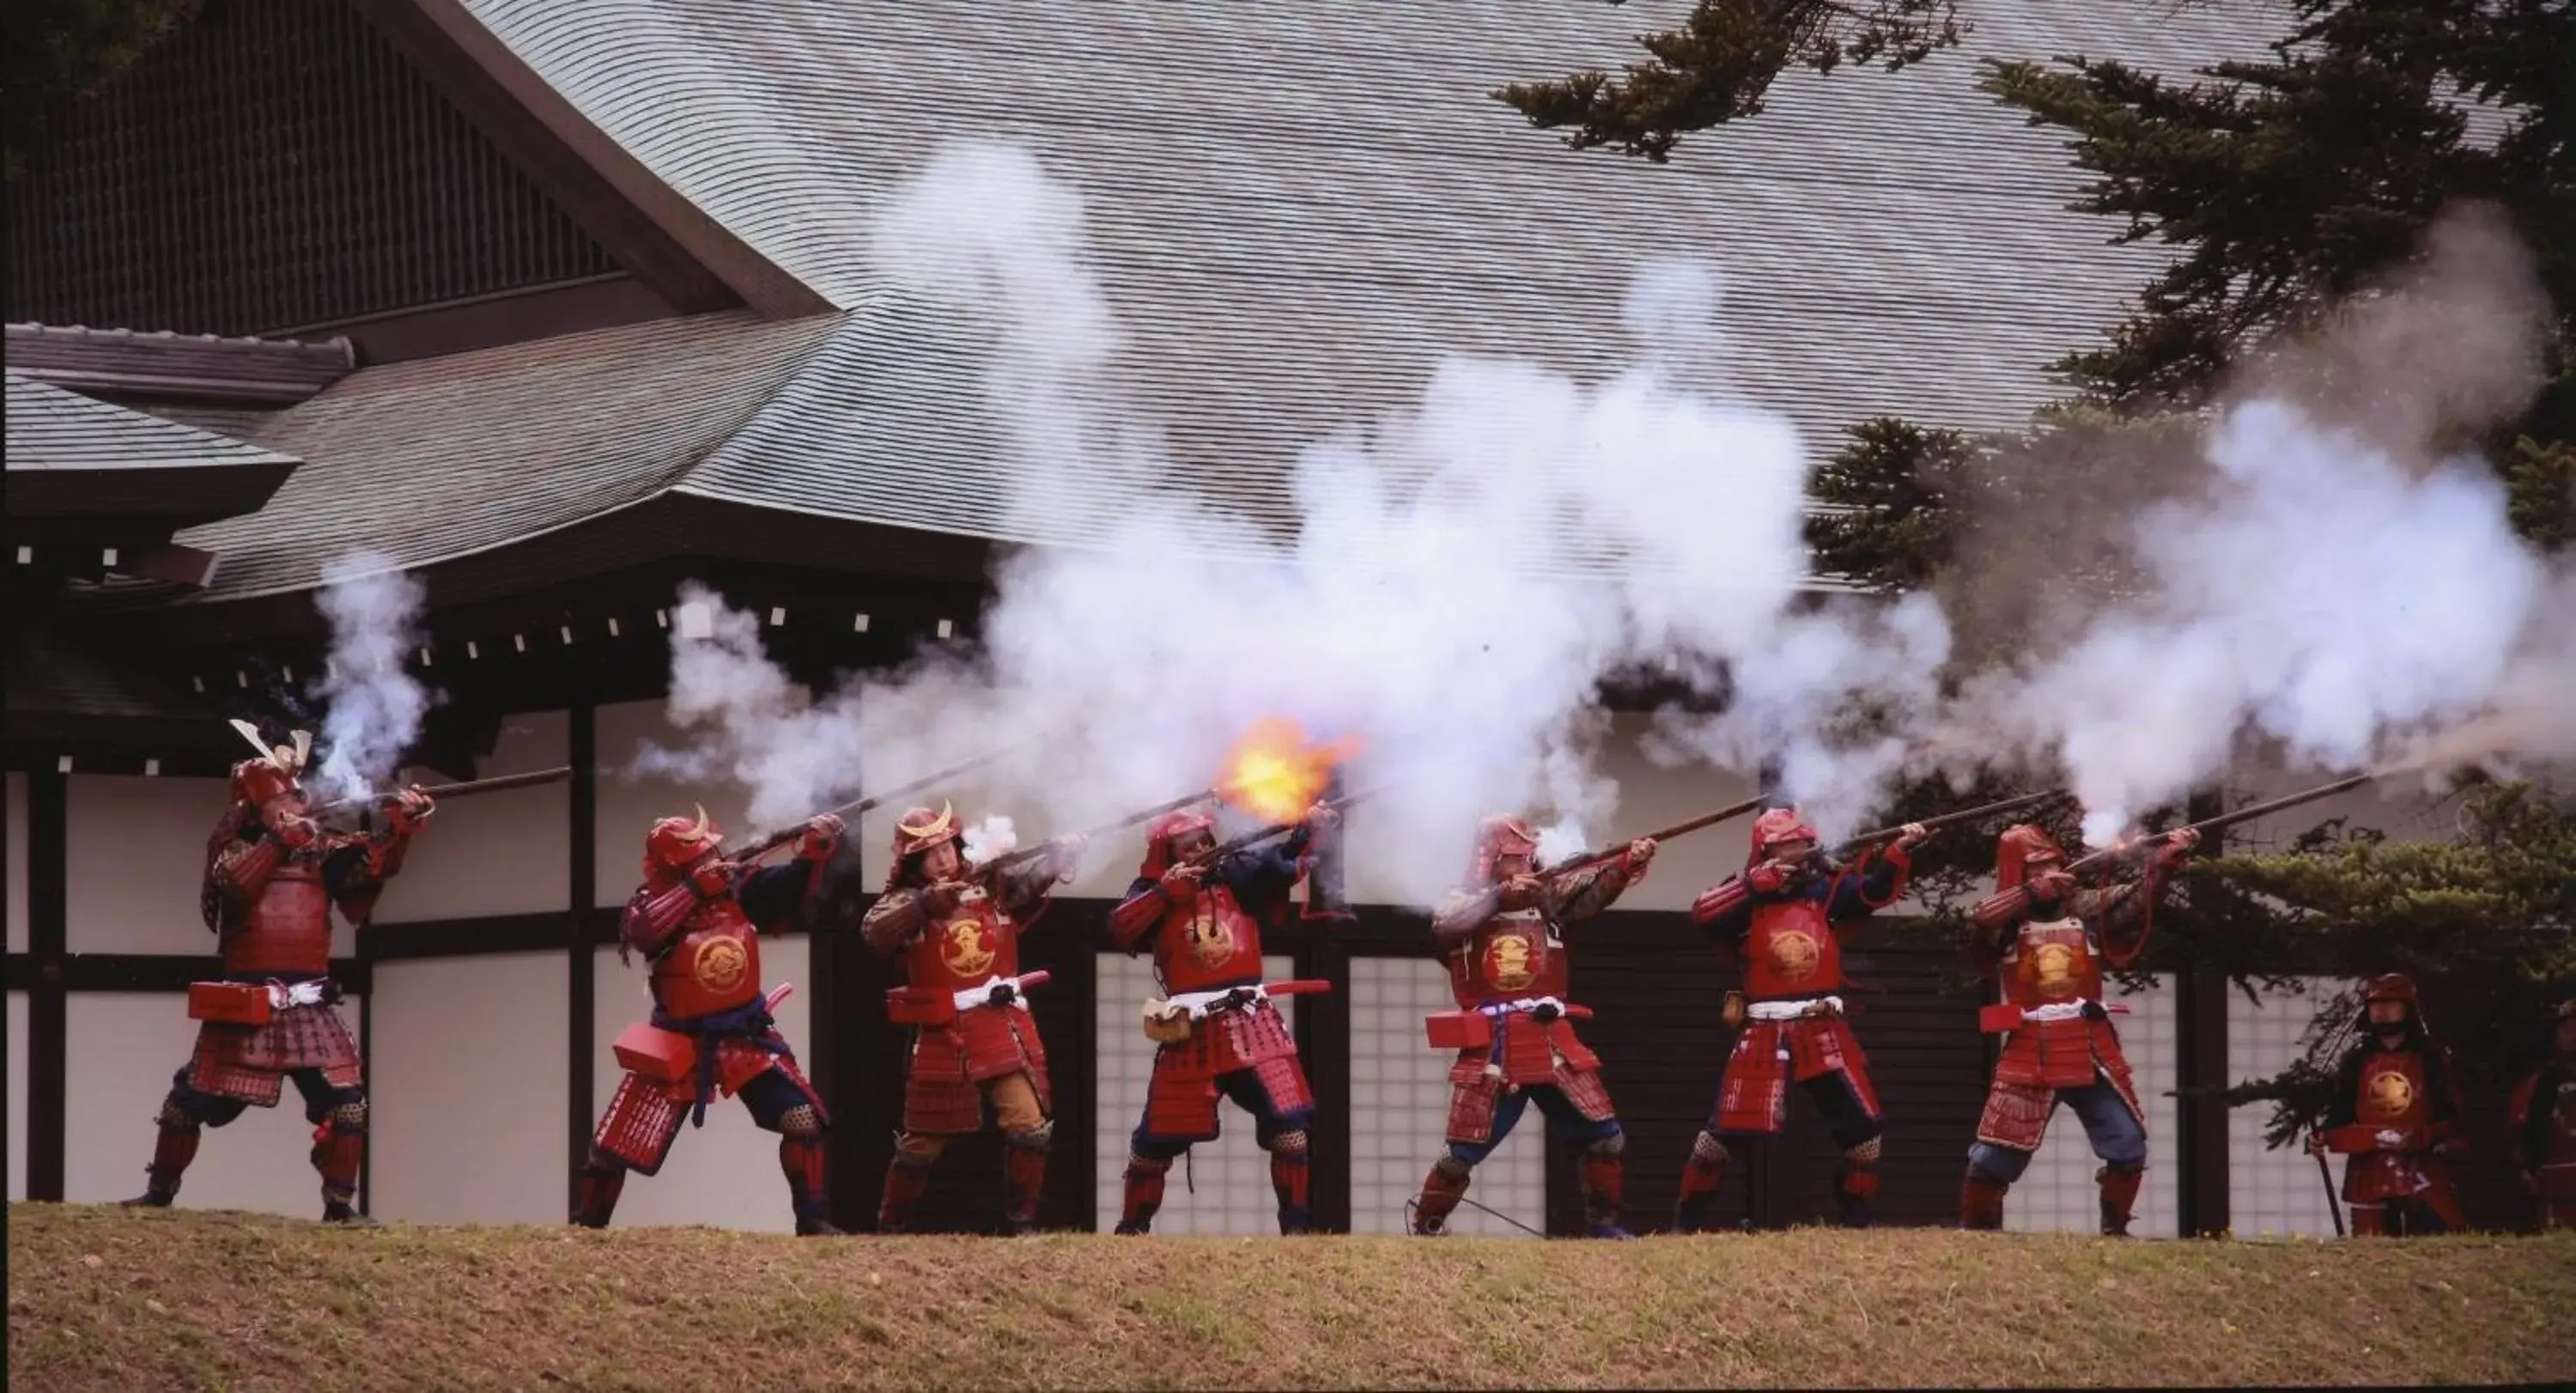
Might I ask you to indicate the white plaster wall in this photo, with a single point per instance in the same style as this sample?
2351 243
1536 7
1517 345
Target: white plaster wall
494 853
726 1173
470 1087
17 1095
628 805
135 859
17 853
1231 1175
1400 1110
123 1048
2270 1192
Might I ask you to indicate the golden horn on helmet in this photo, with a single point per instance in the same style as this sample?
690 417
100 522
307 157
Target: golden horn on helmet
250 733
699 832
303 748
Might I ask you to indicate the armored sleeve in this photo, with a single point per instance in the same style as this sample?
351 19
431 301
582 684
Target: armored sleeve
1461 912
1029 883
1132 923
1586 893
2122 915
652 917
241 870
1875 886
897 918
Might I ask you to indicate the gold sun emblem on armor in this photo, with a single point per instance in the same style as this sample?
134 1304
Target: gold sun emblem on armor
1507 962
1794 954
2053 965
2391 1094
966 952
720 964
1211 942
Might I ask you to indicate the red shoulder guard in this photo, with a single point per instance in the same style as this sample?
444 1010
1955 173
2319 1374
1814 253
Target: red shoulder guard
1717 899
653 916
1138 915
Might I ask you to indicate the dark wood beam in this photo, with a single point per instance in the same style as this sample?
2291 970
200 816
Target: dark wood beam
48 1023
581 1004
501 317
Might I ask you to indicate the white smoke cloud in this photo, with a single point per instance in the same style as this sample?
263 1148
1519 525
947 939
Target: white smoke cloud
995 836
2324 594
750 724
1466 574
373 706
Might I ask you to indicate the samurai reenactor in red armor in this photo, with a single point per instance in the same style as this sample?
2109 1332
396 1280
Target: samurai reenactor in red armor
2045 941
1503 933
2395 1114
1783 921
957 930
696 922
1216 1031
272 877
2542 1125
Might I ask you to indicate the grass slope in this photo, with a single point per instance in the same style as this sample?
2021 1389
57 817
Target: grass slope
101 1298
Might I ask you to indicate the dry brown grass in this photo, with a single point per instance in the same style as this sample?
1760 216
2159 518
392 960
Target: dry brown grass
101 1298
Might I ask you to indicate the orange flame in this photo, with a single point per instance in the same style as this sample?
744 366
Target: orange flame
1276 774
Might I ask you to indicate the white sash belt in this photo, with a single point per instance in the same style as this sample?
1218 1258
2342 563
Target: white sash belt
1199 1004
1794 1010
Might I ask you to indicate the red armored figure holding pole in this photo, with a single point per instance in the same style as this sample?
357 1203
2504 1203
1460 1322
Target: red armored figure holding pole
2395 1115
695 921
2045 941
1216 1031
1783 921
2542 1123
272 877
1504 935
957 931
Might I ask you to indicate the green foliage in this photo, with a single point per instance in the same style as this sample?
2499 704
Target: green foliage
1891 487
2292 182
2497 904
1718 66
62 49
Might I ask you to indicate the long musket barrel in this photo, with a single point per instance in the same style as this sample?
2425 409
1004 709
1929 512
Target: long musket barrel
1257 836
2247 813
1027 853
1934 824
467 789
871 802
1581 859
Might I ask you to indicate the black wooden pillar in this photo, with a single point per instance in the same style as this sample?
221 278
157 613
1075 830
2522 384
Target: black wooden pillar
48 1017
2200 1117
581 1005
1324 1048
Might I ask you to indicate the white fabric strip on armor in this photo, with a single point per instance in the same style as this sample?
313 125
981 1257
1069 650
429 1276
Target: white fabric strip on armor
1198 1004
282 997
981 994
1520 1004
1794 1010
